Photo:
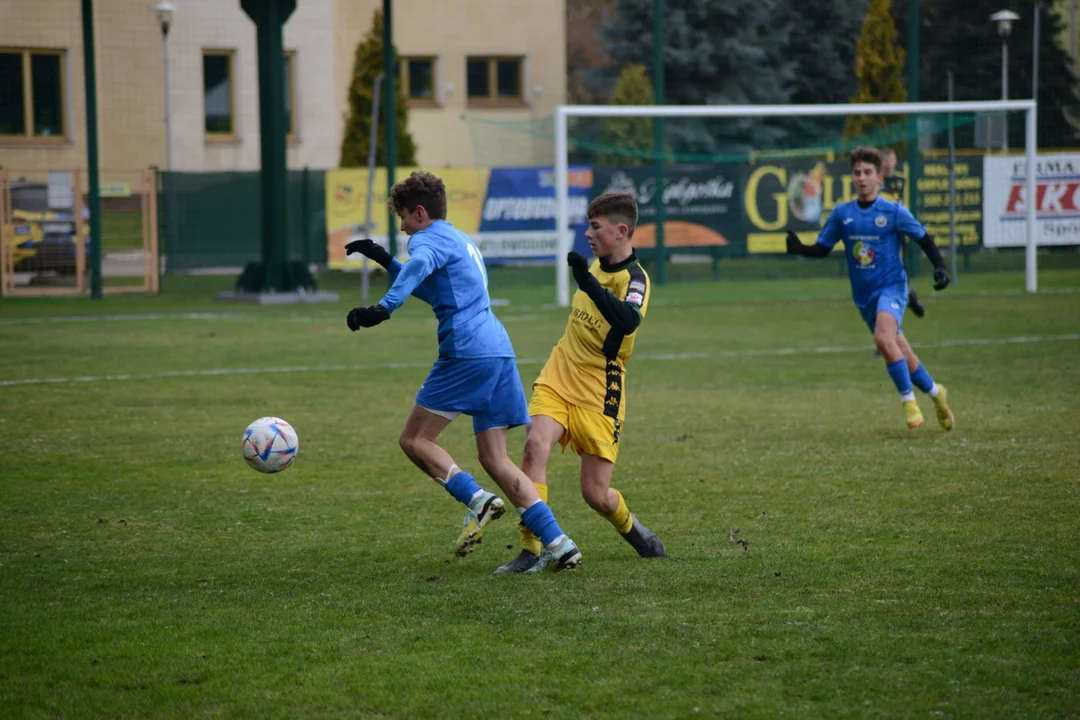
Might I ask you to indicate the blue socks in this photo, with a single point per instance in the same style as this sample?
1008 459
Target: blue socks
541 521
537 518
900 375
462 486
922 379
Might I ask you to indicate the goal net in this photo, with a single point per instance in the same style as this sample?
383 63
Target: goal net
736 177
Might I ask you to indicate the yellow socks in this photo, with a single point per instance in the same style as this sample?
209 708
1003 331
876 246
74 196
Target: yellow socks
529 541
621 518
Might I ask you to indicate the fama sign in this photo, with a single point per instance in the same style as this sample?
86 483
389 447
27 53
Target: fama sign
1057 201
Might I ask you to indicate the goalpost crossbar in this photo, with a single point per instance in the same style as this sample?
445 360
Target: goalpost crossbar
564 239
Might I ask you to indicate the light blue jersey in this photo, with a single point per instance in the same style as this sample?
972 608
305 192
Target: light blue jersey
446 271
872 244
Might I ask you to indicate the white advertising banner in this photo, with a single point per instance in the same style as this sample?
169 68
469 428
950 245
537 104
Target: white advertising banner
1057 206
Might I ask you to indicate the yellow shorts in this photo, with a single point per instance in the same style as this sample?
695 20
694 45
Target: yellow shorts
585 431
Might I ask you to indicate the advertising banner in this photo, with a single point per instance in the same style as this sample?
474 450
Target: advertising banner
518 218
800 195
933 207
700 203
796 195
508 212
1057 200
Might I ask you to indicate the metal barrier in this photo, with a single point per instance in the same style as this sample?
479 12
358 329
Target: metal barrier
44 236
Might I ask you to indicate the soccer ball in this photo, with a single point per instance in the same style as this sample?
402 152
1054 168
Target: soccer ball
270 445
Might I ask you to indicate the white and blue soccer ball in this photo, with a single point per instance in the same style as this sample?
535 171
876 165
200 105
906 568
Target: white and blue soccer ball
270 444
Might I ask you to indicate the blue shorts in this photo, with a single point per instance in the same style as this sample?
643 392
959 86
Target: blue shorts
487 389
892 300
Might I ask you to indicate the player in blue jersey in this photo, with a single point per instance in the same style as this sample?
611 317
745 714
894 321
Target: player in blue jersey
475 373
871 228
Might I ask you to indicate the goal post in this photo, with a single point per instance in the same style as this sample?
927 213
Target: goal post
564 237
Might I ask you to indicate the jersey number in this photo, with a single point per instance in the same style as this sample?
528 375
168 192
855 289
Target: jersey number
479 260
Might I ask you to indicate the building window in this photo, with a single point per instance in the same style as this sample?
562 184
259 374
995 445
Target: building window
31 94
418 79
218 116
495 80
290 94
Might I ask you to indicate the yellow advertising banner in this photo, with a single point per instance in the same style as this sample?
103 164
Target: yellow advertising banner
798 195
347 202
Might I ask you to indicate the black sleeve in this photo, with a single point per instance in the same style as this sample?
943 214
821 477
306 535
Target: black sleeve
926 242
623 316
817 250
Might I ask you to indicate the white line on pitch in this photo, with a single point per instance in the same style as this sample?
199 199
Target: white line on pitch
662 357
507 311
121 318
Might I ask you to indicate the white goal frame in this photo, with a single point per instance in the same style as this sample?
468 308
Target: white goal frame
564 235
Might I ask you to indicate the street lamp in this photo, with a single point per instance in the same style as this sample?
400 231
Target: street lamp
165 10
1035 53
1004 20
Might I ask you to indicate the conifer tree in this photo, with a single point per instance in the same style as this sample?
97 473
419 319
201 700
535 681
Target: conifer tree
367 65
879 69
715 53
632 136
958 36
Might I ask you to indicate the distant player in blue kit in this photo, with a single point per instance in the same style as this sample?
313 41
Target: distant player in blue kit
475 373
871 229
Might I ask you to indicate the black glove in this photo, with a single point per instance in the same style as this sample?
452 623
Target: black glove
914 304
366 316
794 245
369 248
941 278
579 266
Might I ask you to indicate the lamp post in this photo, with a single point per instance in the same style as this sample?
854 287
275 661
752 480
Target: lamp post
1004 20
1035 53
165 10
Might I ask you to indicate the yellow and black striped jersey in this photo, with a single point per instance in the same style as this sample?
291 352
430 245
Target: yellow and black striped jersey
893 188
587 368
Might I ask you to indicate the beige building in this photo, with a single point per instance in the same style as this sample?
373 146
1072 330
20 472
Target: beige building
482 78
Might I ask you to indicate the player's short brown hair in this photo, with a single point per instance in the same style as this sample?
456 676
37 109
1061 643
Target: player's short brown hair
866 155
420 188
618 207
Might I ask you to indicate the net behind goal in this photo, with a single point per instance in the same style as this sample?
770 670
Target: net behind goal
735 177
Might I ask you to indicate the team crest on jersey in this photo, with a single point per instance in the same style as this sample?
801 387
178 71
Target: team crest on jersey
863 254
635 298
880 221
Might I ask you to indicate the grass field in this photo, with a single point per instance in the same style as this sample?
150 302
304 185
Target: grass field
122 231
146 572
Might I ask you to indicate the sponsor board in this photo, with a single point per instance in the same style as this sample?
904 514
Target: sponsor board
1057 200
508 212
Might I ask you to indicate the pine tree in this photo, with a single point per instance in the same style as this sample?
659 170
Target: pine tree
583 54
715 53
958 36
633 137
825 54
879 69
368 64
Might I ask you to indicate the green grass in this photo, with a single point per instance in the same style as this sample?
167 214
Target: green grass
122 231
146 572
